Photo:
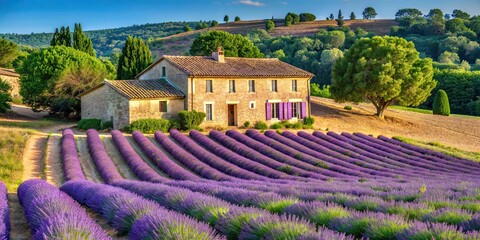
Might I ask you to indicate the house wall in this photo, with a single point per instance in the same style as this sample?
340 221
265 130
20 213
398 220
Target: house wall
14 83
174 75
220 98
140 109
106 104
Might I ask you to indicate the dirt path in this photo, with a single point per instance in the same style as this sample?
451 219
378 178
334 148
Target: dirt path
117 159
33 157
88 167
455 131
54 161
144 157
19 226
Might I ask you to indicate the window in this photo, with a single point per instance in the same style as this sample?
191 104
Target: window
251 86
275 110
231 88
296 109
209 86
163 106
252 105
294 85
209 112
274 86
164 71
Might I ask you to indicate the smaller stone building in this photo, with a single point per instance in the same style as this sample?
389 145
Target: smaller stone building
124 101
13 79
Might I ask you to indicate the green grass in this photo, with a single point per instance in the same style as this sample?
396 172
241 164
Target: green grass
33 124
12 145
436 146
427 111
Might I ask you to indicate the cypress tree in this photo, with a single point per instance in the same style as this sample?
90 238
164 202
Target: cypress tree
81 41
340 18
56 35
135 57
441 106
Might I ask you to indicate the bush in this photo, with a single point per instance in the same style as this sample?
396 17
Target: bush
5 97
473 107
90 123
309 121
276 126
189 120
347 108
316 91
440 104
293 17
260 125
307 17
269 25
246 124
149 125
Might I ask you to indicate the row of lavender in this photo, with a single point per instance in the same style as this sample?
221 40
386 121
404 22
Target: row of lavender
279 205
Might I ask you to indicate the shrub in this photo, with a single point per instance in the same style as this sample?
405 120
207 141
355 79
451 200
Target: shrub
260 125
246 124
307 17
90 123
276 126
190 119
441 105
316 91
149 125
269 25
347 108
308 121
5 97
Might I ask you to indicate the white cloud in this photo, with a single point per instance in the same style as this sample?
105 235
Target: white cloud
251 3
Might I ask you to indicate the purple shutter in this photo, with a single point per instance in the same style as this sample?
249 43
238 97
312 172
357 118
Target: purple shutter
289 110
285 110
268 107
280 111
304 110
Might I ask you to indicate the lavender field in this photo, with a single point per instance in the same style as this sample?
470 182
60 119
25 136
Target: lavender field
255 186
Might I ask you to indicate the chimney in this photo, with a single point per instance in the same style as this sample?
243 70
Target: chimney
218 55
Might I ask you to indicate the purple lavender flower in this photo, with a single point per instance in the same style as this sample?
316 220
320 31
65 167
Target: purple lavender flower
71 164
104 164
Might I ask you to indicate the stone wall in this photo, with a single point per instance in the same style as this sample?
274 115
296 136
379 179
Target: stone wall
141 109
14 83
106 104
220 98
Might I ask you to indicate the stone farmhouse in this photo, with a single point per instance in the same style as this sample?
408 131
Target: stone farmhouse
230 90
13 79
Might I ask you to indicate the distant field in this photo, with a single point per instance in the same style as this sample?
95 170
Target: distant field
178 44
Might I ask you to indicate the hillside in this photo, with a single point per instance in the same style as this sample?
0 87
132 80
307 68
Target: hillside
179 44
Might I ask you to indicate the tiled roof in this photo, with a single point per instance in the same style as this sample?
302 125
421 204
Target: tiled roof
8 72
234 67
144 89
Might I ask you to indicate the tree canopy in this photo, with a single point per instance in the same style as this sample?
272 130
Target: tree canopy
52 78
234 45
62 37
8 52
307 17
226 18
369 13
5 96
383 70
135 57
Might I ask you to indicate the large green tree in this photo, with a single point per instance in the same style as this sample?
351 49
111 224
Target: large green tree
8 52
5 96
234 45
136 56
81 41
52 78
369 13
383 70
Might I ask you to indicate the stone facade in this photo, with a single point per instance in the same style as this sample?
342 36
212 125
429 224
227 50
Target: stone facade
221 98
150 108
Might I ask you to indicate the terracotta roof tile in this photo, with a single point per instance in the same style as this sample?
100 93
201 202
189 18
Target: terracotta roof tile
8 72
143 89
234 67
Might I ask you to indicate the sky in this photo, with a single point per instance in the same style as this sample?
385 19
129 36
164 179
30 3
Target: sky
27 16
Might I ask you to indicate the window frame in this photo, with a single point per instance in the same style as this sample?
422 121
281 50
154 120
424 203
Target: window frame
231 86
294 85
274 87
207 85
164 104
208 117
251 86
296 108
250 105
164 71
275 110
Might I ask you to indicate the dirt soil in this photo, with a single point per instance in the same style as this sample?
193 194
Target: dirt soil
455 131
33 157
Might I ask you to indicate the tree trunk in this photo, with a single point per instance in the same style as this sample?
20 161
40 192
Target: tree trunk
381 108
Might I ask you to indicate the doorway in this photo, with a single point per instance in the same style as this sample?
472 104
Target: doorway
232 114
